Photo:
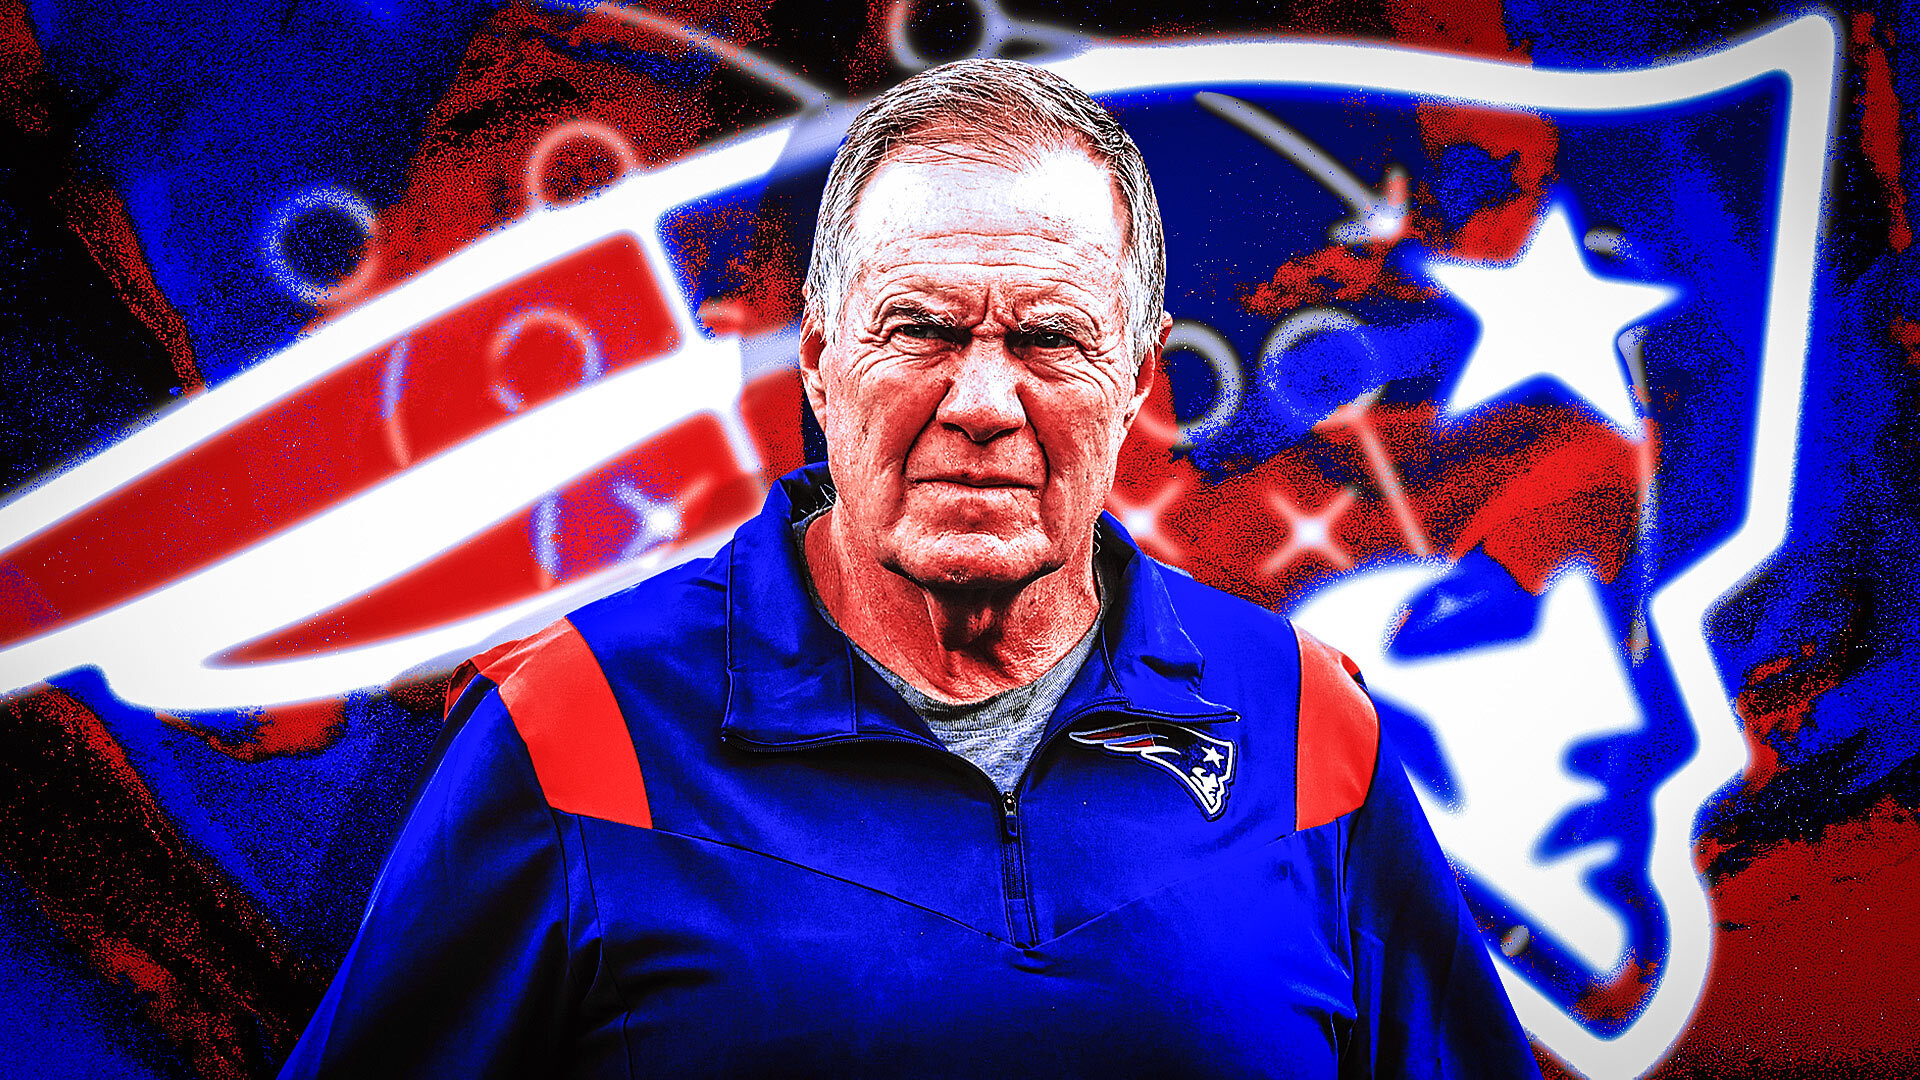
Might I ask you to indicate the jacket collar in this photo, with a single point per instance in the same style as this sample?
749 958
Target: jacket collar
794 681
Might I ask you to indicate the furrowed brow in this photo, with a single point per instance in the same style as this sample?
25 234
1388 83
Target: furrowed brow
1057 322
916 312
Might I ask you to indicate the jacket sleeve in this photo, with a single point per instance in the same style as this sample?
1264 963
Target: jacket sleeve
1430 1003
461 964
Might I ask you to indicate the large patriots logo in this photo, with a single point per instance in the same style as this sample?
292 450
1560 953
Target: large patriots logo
1501 431
1201 762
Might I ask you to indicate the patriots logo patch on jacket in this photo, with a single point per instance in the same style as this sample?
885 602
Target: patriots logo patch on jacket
1203 763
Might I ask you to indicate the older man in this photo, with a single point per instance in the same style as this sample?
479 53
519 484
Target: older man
930 771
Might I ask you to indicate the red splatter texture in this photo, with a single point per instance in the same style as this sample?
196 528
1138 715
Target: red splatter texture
276 731
1331 273
870 65
1906 334
98 215
1575 491
79 829
1241 533
1814 957
25 90
768 271
1477 27
1877 111
769 405
1525 145
469 175
84 835
1531 487
1620 997
1777 696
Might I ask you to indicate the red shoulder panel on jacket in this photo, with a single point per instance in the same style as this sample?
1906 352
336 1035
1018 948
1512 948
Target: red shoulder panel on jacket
564 710
464 675
1339 735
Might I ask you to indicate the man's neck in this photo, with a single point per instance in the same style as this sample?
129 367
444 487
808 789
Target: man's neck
953 645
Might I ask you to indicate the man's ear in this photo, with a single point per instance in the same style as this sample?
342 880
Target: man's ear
1149 369
813 346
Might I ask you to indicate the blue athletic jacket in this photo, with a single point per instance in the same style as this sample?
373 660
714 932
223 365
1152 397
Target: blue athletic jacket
686 832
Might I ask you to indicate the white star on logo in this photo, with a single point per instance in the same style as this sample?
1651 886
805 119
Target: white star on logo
1211 756
1546 314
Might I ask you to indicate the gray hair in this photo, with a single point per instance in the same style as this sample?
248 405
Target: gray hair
1010 107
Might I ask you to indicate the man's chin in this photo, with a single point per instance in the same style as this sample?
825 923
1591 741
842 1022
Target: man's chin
973 562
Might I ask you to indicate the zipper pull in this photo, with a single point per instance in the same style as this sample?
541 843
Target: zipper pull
1010 813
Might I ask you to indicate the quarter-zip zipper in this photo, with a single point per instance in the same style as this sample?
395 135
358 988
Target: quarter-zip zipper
1013 872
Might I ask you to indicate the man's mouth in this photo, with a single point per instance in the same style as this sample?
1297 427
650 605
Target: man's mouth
977 480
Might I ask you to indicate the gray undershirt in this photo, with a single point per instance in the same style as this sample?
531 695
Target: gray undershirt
999 733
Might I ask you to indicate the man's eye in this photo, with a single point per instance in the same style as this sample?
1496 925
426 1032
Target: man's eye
1047 339
921 331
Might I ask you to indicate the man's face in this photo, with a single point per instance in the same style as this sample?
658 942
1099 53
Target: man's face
978 386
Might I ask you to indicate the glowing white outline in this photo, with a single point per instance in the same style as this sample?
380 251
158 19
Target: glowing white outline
1803 50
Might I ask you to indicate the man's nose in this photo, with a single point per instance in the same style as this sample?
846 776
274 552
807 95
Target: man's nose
983 400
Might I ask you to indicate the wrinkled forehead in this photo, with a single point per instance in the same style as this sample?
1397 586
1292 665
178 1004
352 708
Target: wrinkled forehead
1058 194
